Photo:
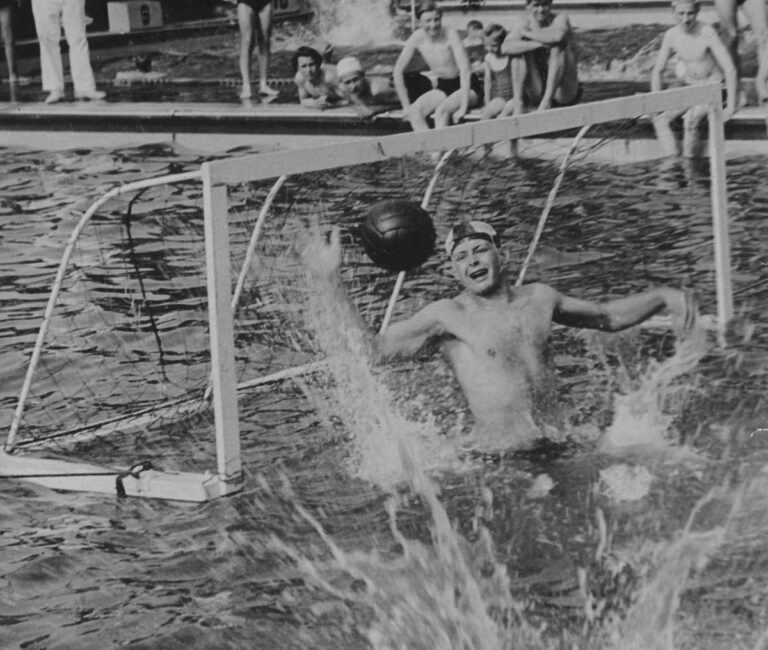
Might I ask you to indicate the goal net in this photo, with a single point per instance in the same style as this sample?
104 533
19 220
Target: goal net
179 313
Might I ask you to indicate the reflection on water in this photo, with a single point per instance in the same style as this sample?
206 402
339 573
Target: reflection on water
588 550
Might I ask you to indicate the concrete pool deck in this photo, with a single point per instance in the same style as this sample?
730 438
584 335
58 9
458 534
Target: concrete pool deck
197 105
220 126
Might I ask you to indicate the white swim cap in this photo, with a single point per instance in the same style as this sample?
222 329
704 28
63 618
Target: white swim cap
348 67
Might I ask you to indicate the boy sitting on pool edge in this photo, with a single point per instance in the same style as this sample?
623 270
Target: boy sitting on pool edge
701 59
544 59
456 89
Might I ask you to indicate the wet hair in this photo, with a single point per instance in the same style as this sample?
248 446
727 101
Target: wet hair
474 24
530 2
430 5
696 3
495 32
307 52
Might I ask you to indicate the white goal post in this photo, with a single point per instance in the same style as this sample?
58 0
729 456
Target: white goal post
217 176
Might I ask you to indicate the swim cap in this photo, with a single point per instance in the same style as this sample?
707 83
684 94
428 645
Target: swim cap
347 67
470 230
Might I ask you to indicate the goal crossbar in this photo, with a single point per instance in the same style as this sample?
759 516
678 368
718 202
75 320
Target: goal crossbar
376 149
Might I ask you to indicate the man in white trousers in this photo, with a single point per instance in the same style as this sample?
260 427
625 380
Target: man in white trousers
50 16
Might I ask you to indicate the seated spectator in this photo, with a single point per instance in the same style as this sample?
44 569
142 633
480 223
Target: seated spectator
498 76
474 44
50 16
474 37
544 61
701 59
456 90
315 80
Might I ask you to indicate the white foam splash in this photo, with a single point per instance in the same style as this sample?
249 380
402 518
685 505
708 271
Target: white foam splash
639 416
625 482
356 22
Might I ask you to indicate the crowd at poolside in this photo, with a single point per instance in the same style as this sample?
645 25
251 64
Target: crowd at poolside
495 70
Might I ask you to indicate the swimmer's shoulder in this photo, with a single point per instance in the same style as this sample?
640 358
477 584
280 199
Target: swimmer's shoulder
449 307
560 19
540 292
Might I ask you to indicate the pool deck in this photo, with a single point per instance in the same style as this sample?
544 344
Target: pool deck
213 126
220 125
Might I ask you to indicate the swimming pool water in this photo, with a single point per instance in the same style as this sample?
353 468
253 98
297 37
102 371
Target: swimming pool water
249 571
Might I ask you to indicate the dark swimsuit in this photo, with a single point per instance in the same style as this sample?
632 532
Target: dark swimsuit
255 5
450 86
576 99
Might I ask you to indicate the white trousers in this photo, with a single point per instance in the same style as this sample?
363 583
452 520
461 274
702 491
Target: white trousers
50 15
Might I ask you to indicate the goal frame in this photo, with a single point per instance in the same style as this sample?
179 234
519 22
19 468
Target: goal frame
217 176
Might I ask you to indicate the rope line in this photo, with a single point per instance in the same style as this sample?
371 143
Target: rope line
548 205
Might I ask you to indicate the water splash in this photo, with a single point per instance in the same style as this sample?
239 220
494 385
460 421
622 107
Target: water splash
384 446
640 419
454 592
450 594
356 22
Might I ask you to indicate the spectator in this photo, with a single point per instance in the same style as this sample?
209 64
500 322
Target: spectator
375 93
474 36
255 17
701 59
50 16
754 10
474 44
6 30
315 80
544 61
456 89
498 76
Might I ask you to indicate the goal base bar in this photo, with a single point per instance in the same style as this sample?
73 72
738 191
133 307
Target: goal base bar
148 483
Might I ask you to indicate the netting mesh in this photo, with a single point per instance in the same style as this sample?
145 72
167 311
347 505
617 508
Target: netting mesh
128 341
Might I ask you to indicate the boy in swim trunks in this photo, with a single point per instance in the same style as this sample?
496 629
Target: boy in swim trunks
456 90
701 59
494 334
316 81
544 59
254 18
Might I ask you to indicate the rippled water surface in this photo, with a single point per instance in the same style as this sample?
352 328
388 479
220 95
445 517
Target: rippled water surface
588 550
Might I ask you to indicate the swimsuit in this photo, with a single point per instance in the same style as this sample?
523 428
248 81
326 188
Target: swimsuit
450 86
575 100
501 82
255 5
416 84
